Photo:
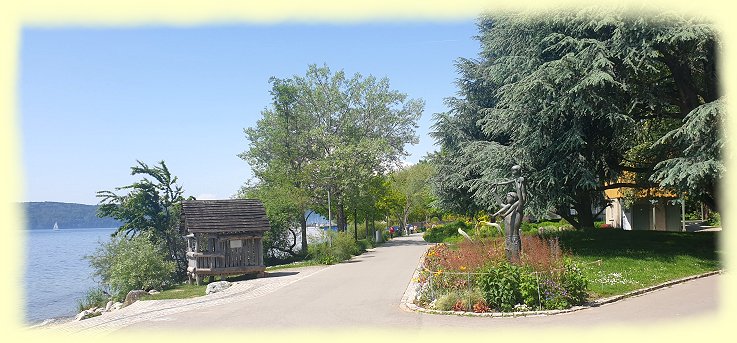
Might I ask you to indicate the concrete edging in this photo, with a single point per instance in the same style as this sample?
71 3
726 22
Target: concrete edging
410 293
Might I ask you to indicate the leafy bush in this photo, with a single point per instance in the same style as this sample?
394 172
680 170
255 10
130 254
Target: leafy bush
322 253
94 298
714 219
468 300
345 246
439 233
545 226
124 264
506 285
500 286
543 278
364 244
336 247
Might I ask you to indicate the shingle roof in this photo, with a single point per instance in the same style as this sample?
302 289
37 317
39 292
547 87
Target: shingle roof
235 215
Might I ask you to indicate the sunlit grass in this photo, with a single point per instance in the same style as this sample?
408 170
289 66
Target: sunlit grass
616 262
183 291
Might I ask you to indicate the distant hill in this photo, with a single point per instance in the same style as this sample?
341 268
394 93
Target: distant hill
43 215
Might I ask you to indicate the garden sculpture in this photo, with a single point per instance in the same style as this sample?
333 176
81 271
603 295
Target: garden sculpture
513 211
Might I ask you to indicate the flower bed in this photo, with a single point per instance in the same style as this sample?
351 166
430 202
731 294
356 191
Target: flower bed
476 277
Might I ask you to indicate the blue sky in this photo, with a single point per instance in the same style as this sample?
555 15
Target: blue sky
94 100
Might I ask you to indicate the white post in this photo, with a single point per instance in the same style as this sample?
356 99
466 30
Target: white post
652 226
683 214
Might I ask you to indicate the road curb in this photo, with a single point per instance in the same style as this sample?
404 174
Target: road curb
410 293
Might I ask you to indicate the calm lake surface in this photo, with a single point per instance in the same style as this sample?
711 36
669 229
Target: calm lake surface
56 274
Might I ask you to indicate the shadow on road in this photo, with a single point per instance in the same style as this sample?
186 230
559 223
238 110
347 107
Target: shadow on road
278 274
404 242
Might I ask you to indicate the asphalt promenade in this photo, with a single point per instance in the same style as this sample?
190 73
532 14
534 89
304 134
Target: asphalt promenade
366 293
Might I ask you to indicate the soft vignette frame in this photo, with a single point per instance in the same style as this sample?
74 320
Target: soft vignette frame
87 13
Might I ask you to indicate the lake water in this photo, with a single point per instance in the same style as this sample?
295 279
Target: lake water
56 274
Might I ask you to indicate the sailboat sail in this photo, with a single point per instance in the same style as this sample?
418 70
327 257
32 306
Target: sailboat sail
56 226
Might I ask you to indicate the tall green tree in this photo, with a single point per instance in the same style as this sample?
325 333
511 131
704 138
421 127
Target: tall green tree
577 98
152 206
284 210
410 192
325 134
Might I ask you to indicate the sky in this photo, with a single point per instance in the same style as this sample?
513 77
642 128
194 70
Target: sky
92 100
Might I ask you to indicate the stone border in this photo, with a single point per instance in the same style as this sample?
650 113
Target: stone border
410 293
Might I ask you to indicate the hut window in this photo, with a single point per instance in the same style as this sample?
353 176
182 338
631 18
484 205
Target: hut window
236 243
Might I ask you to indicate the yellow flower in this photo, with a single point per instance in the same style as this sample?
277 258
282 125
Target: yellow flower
437 273
463 267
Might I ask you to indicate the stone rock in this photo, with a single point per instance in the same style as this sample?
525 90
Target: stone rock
133 295
153 291
117 305
82 315
109 306
217 287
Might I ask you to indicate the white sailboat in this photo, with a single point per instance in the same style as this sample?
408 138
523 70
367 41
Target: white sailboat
56 226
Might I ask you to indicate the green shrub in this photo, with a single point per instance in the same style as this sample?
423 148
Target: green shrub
459 300
714 219
500 286
545 226
336 247
506 285
364 244
574 283
345 246
439 233
124 264
322 253
94 298
446 301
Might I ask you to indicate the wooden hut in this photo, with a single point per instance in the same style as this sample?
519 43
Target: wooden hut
224 237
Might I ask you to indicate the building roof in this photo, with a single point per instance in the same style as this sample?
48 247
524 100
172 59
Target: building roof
235 215
652 192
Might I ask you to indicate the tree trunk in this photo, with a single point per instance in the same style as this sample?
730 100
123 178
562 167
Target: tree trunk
303 225
341 218
355 223
689 97
583 209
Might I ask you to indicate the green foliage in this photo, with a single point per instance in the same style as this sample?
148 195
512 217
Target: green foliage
576 98
409 196
544 226
336 247
326 133
500 286
284 206
441 232
696 166
714 219
93 298
365 244
458 300
152 207
507 285
43 215
124 264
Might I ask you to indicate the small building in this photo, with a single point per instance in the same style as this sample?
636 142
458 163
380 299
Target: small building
653 209
224 237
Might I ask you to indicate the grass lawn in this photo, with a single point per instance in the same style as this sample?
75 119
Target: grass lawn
631 260
182 291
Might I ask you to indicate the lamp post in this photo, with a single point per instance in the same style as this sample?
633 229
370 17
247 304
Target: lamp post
330 216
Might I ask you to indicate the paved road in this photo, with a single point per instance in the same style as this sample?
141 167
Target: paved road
365 293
